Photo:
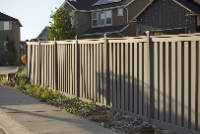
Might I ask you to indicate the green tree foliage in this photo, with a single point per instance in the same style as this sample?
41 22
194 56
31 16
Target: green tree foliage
60 26
11 54
9 58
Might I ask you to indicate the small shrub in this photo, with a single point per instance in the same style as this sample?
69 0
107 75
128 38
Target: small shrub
103 118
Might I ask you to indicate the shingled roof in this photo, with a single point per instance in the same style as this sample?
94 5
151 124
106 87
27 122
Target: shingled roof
105 30
190 4
4 17
88 4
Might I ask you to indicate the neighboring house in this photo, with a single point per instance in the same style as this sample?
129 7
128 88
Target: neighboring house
44 34
9 29
169 17
94 18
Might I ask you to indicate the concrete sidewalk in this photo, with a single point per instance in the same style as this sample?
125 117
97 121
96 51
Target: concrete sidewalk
21 114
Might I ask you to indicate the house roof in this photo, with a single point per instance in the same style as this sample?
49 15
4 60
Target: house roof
43 30
89 4
103 30
4 17
190 5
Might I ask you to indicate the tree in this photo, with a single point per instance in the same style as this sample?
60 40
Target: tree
61 27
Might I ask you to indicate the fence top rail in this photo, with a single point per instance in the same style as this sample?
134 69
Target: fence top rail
177 39
128 38
175 36
91 41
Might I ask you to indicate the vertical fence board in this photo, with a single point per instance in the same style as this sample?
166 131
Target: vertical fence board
161 81
146 84
98 73
114 75
122 76
37 64
156 88
32 63
50 66
47 65
167 86
179 84
83 69
95 72
42 65
61 68
118 75
131 77
193 86
198 90
28 61
136 78
186 80
73 68
111 73
68 69
89 71
173 83
126 75
80 70
92 71
140 86
101 74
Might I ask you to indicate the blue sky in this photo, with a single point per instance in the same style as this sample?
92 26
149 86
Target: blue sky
34 15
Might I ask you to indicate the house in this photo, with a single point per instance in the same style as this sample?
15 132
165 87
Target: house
43 34
169 17
9 29
94 18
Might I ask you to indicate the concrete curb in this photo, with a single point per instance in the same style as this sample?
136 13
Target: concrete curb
10 126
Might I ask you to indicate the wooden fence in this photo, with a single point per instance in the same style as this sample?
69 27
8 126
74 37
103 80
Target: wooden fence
156 78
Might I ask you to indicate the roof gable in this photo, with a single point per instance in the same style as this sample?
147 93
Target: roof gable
5 17
90 5
190 5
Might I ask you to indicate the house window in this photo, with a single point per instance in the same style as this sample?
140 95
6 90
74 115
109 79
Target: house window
102 18
94 19
2 47
5 25
120 11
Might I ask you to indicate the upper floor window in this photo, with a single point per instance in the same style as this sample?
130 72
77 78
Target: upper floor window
120 11
102 18
5 25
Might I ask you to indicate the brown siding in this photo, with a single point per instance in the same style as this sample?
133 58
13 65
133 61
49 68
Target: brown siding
82 22
130 31
14 35
135 7
119 20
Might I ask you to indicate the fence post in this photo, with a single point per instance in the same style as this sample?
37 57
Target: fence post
106 91
147 81
55 65
39 62
77 81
